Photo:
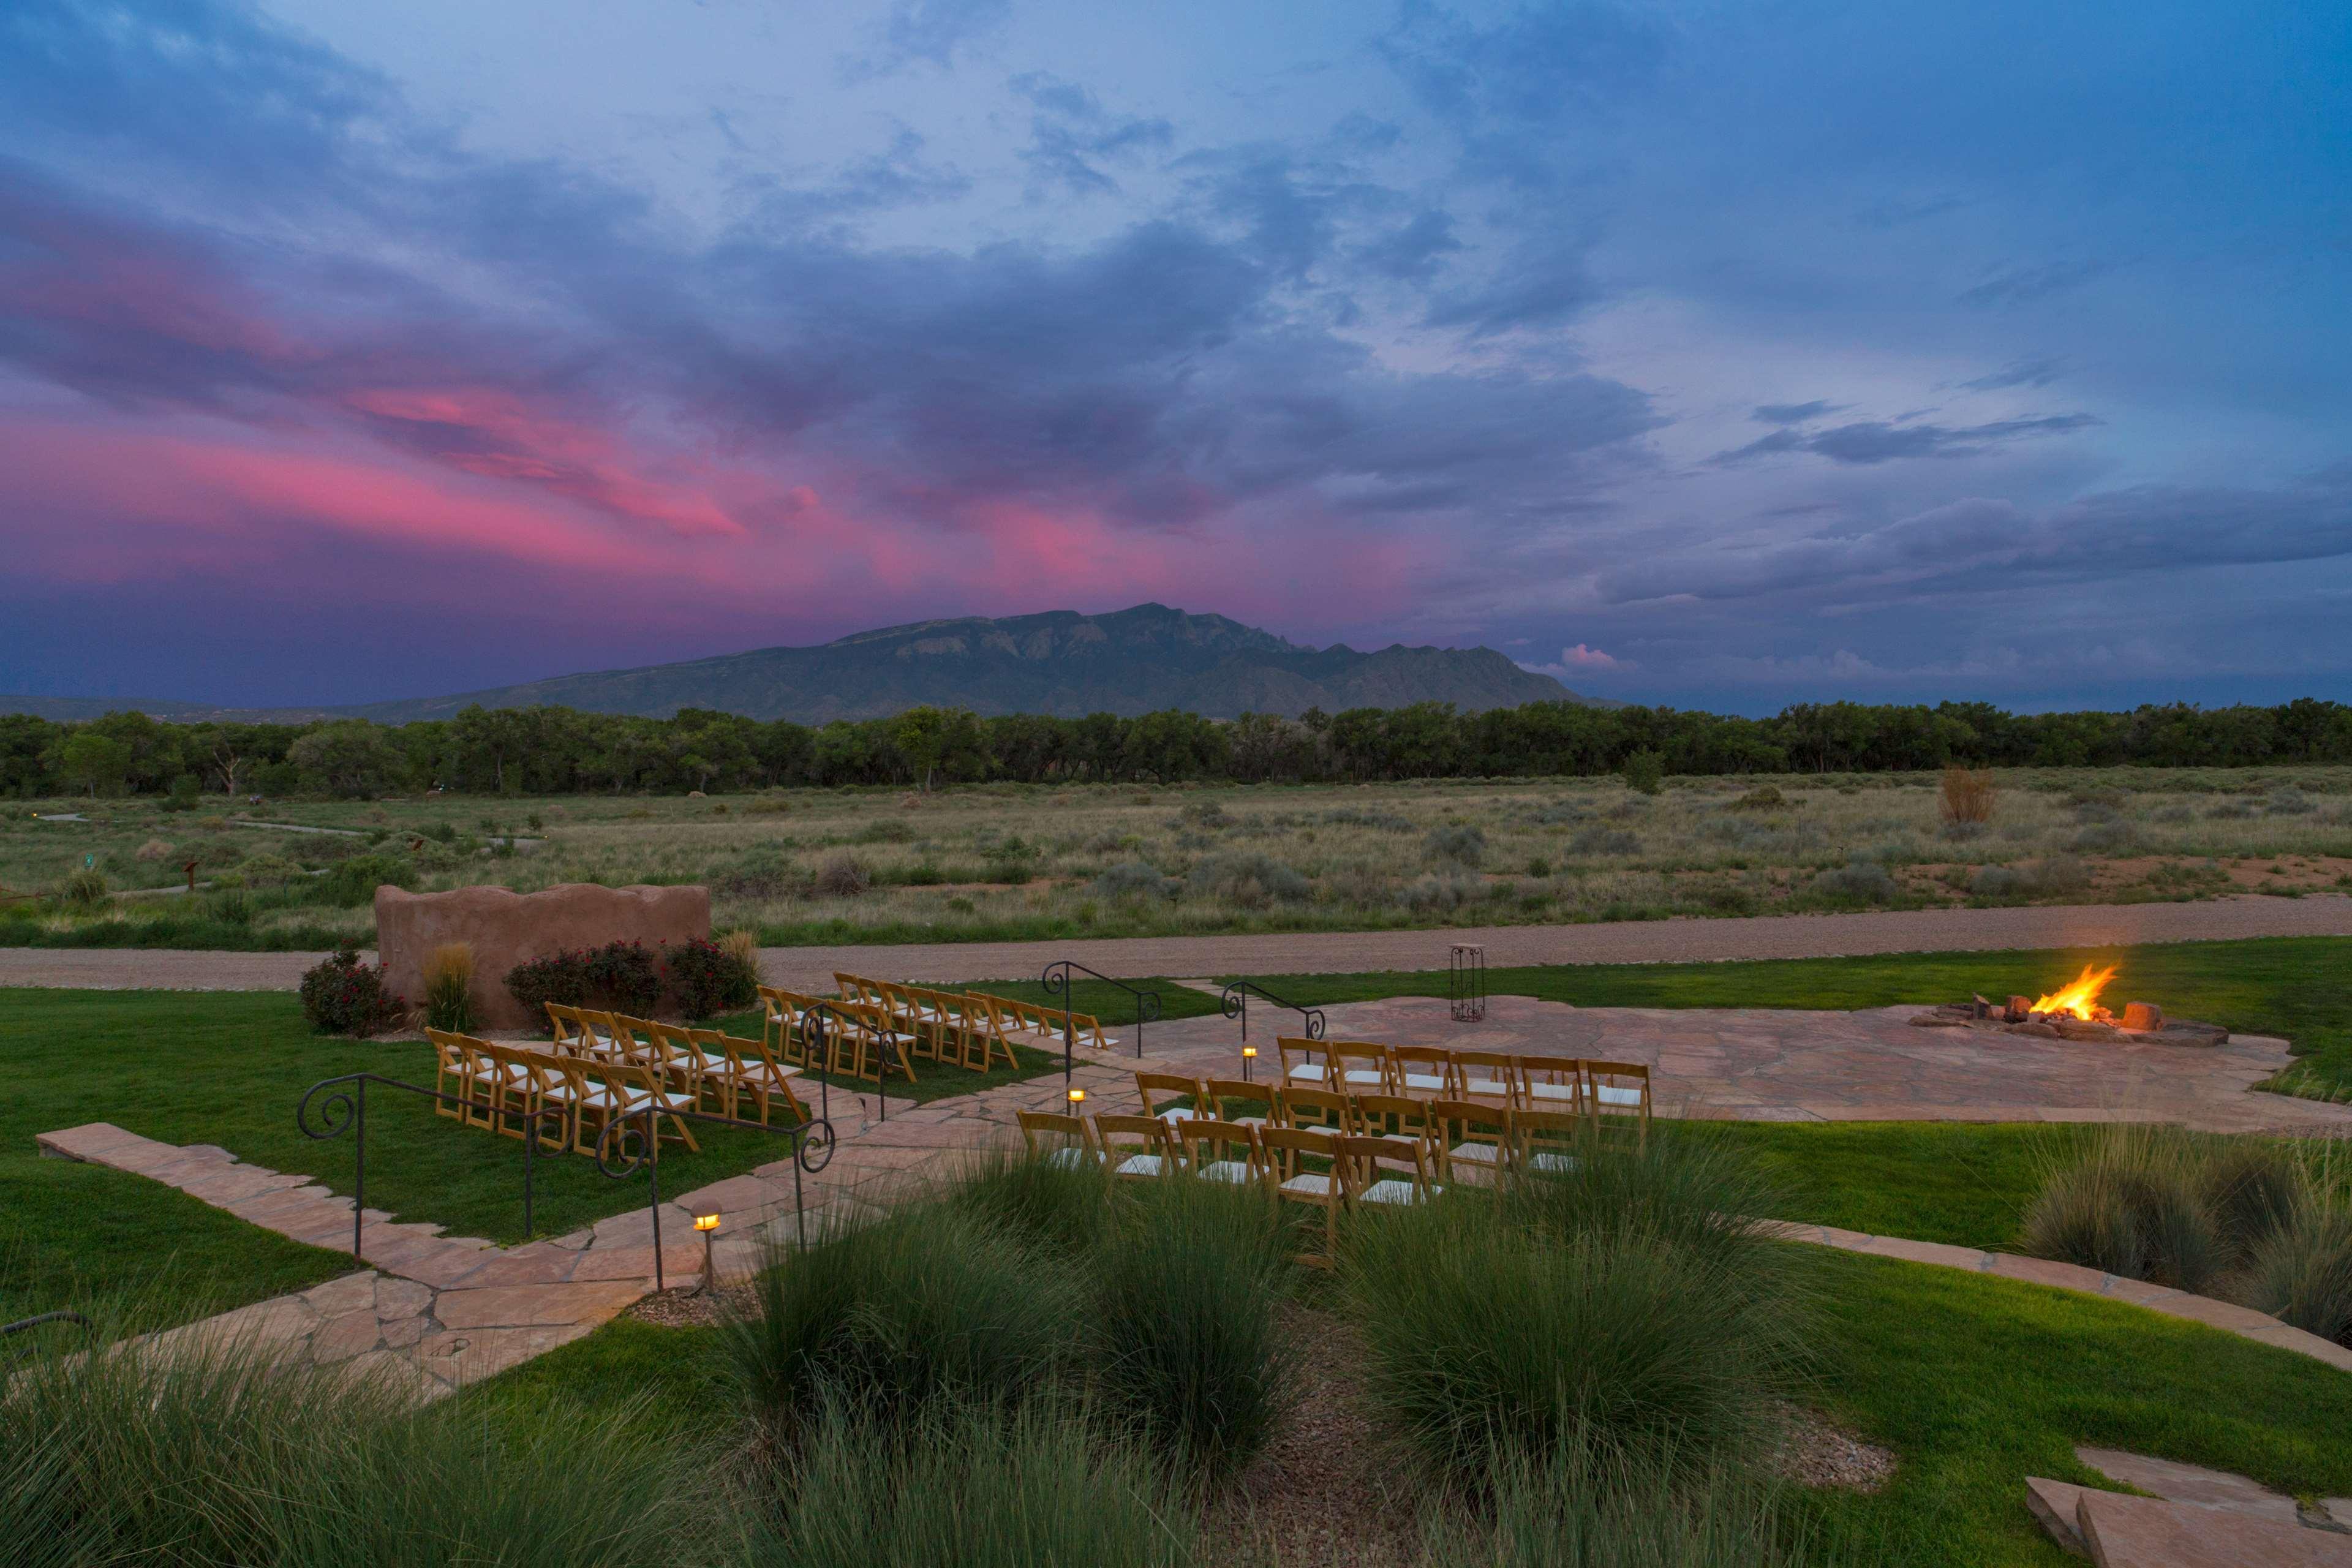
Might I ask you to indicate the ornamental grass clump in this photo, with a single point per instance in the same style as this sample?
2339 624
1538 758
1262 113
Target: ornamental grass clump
1185 1284
1967 796
2301 1273
2162 1204
449 988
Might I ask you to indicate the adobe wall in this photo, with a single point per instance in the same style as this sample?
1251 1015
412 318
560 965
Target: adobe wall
506 928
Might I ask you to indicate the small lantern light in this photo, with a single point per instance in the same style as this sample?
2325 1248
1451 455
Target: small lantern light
1249 1055
1077 1094
707 1224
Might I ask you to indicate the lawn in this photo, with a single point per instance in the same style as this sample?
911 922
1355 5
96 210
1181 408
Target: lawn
1974 1381
228 1068
2299 988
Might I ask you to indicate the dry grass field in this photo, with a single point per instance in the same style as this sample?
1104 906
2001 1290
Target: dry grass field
999 861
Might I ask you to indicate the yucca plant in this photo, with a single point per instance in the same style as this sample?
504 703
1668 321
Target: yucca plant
449 988
744 945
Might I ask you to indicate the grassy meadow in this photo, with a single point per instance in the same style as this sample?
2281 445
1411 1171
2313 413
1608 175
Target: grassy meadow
996 861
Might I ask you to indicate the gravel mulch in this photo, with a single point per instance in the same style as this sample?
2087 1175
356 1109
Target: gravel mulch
1818 1452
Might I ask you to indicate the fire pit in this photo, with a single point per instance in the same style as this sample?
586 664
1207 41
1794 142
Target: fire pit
2072 1012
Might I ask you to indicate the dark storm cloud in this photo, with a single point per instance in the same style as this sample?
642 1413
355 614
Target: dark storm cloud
1879 441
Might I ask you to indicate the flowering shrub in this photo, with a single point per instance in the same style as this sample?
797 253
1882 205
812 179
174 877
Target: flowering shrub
344 996
560 977
708 980
625 977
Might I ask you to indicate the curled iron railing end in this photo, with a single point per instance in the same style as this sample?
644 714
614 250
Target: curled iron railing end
336 1114
613 1144
820 1138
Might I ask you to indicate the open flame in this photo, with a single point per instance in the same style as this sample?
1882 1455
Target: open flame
2081 997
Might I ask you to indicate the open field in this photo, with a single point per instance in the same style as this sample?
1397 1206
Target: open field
1008 862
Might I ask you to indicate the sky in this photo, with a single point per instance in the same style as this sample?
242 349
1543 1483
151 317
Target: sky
1722 356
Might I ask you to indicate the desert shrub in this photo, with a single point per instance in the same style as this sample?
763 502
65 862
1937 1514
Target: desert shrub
624 976
1580 1509
927 1303
1599 840
340 996
2058 874
885 831
2104 838
1645 772
1185 1287
1763 797
230 907
843 876
154 849
706 980
766 806
1056 1209
2134 1205
765 870
1135 879
1967 796
1538 867
1858 882
1962 832
353 882
1380 821
1434 894
955 1486
558 977
1468 1322
2302 1272
1248 880
208 1453
83 889
2289 802
267 871
446 832
1682 1188
1455 843
449 988
2229 811
1204 814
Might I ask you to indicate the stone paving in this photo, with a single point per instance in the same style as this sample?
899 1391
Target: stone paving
1784 1065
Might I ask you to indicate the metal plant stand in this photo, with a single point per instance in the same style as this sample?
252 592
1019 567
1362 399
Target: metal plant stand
1466 981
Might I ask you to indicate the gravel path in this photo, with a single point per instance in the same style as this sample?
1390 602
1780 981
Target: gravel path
1630 941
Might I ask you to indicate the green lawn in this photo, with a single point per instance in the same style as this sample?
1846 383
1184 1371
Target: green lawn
2296 987
1966 1183
1974 1381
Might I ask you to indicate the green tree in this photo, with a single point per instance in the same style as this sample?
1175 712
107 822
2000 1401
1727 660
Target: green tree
88 760
350 758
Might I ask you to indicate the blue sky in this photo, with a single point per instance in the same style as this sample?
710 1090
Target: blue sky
1714 355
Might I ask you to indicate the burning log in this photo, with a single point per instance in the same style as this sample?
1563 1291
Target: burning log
2072 1012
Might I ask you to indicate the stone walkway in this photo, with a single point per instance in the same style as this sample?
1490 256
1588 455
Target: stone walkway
1786 1065
1325 952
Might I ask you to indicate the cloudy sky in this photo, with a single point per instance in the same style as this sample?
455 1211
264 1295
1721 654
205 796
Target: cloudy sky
1718 354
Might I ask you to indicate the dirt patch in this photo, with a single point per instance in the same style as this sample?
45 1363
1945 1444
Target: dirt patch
1818 1452
690 1309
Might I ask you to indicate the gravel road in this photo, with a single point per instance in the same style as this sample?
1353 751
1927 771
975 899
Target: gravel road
1632 941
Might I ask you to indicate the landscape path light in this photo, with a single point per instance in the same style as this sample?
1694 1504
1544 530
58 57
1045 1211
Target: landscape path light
707 1224
1249 1055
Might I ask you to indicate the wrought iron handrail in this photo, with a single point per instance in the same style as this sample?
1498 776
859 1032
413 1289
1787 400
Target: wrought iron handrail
887 1054
1056 982
1235 997
36 1320
346 1110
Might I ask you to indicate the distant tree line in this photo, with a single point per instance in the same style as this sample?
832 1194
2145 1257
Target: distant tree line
559 750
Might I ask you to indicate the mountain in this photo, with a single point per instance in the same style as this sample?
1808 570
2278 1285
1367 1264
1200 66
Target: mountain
1132 661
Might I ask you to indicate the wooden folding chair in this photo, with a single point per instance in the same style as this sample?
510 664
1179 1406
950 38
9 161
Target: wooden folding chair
983 1041
1365 1179
452 1074
1470 1137
1137 1148
485 1102
1224 1093
567 1030
1426 1071
1548 1143
1319 1113
601 1036
510 1084
543 1088
679 1062
861 1044
752 1071
791 1032
1551 1083
1148 1084
1393 1118
1287 1153
776 1021
611 1090
1621 1091
1359 1067
1486 1075
1066 1142
1221 1152
1303 1061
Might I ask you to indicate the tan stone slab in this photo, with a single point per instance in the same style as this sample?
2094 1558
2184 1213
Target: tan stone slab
400 1332
1941 1254
401 1298
465 1357
440 1265
734 1194
2149 1532
2288 1337
2217 1314
492 1271
93 1142
2175 1481
2053 1505
599 1263
340 1338
2043 1271
352 1293
533 1305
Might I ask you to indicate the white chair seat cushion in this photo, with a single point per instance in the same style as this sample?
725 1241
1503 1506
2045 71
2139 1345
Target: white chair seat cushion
1541 1161
1610 1094
1475 1152
1305 1072
1235 1172
1310 1184
1181 1113
1142 1165
1487 1087
1391 1190
1425 1082
1364 1076
1551 1091
1072 1159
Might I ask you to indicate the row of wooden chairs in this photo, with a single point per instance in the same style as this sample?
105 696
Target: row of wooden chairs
1518 1078
507 1089
1329 1174
855 1038
1494 1140
878 1027
949 1027
730 1075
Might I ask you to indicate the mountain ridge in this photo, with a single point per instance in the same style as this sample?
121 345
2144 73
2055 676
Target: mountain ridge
1059 662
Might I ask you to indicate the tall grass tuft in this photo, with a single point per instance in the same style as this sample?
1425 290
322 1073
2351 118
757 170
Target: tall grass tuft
1576 1508
1484 1334
1186 1284
965 1486
2302 1272
1059 1210
2162 1204
928 1303
208 1453
449 988
745 945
